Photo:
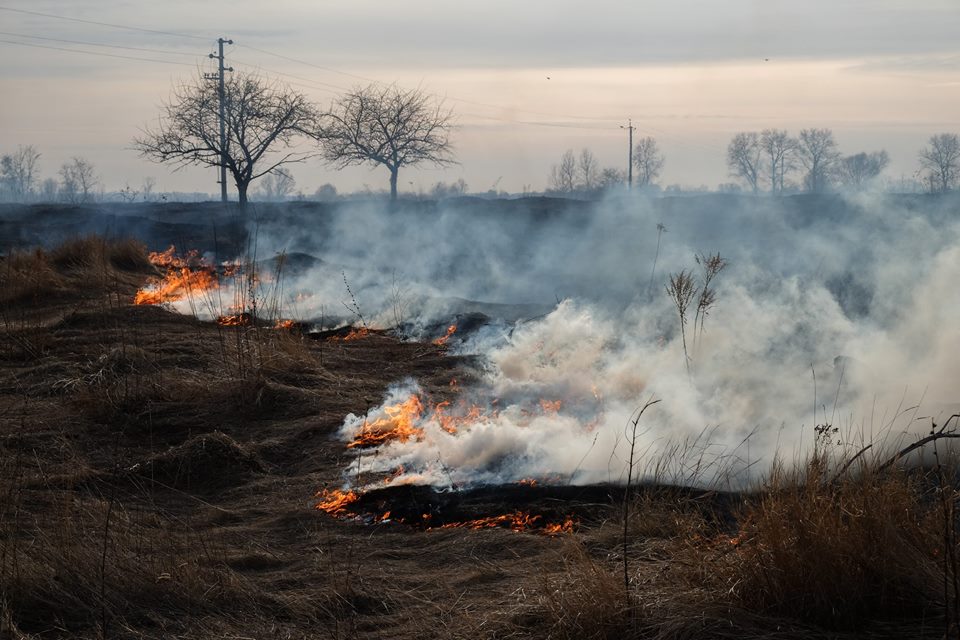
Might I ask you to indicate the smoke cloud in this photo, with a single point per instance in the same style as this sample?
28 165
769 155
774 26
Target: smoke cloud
833 310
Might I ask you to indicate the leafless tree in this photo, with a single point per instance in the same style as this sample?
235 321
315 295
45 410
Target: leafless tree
18 171
648 161
277 185
941 160
818 153
611 178
779 150
77 181
48 190
146 188
389 126
858 170
563 176
325 193
264 120
743 158
588 170
442 190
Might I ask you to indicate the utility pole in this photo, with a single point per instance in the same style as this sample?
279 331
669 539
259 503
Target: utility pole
223 116
630 129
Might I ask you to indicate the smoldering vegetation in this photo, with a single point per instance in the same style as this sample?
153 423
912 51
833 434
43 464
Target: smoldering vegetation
829 310
158 468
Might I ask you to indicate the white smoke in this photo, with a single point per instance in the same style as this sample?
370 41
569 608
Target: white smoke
831 311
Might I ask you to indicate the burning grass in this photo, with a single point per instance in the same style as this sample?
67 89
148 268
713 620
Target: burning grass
156 473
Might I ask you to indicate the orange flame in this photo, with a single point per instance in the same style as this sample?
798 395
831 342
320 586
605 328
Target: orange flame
442 340
336 502
397 425
236 320
184 275
357 333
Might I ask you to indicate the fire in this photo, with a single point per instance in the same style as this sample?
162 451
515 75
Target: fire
336 502
442 340
285 324
357 333
550 406
530 482
556 529
398 424
515 521
236 320
184 275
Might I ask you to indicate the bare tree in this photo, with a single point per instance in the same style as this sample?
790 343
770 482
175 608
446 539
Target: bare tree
146 188
648 161
818 153
941 160
588 170
263 120
563 176
389 126
77 181
611 178
780 151
277 185
743 158
48 190
325 193
18 171
858 170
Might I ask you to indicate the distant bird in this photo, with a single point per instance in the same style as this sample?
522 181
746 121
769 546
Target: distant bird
766 59
548 77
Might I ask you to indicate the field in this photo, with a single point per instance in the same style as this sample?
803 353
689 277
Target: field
161 474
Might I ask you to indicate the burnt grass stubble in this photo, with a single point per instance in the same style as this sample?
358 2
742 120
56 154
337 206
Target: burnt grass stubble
158 473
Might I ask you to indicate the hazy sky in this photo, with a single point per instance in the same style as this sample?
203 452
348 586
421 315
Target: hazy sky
880 73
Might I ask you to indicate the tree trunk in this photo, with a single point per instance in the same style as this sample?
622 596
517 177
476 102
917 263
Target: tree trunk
242 193
393 182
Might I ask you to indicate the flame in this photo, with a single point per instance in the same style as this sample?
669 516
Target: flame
530 482
442 340
398 424
550 406
285 324
556 529
184 275
516 521
357 333
336 502
236 320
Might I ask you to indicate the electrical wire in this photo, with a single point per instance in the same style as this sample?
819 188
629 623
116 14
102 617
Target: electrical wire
95 53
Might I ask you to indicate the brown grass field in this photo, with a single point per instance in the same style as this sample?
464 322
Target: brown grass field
158 479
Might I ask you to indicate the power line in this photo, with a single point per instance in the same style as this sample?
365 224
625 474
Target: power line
105 24
95 53
98 44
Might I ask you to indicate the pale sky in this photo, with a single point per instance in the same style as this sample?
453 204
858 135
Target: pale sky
883 74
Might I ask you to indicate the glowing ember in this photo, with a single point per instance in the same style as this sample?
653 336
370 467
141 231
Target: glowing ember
398 424
336 502
516 521
442 340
